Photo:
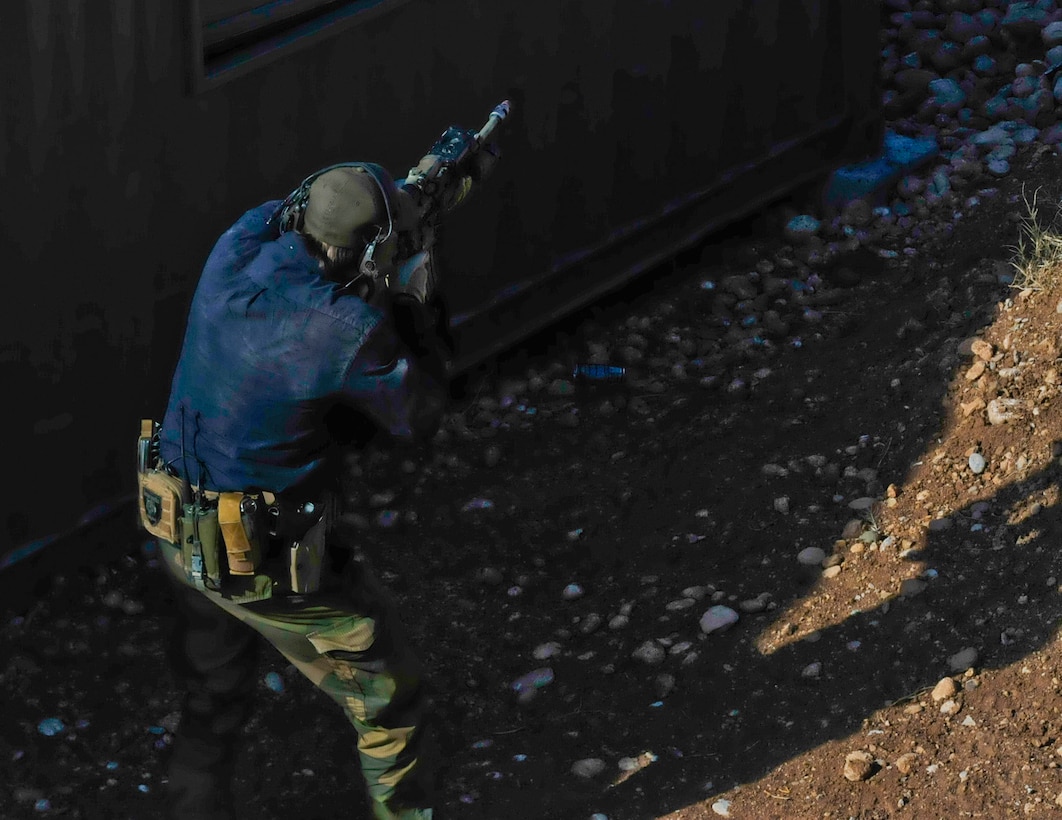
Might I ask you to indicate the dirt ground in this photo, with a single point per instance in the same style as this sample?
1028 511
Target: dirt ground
584 531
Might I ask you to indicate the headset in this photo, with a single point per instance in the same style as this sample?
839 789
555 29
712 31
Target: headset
290 214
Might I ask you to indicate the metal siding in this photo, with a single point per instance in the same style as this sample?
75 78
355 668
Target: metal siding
124 179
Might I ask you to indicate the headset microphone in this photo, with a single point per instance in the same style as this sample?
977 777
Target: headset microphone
368 265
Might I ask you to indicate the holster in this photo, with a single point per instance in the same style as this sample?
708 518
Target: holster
307 557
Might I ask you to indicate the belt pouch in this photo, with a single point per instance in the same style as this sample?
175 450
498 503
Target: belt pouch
244 554
159 500
199 547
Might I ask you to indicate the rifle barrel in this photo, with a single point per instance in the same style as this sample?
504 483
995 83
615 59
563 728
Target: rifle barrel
500 112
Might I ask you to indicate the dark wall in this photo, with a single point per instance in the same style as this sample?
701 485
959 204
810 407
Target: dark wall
118 177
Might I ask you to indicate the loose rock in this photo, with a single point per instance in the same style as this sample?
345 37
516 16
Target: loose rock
650 653
811 556
858 766
588 768
718 619
905 763
944 689
963 660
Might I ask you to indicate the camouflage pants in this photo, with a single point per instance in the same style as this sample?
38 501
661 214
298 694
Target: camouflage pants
345 638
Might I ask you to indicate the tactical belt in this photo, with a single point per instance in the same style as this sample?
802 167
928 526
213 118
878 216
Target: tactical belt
254 524
251 524
214 495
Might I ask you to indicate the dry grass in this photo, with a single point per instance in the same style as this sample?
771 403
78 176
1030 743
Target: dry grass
1038 254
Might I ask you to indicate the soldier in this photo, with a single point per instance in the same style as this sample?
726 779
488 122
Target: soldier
289 344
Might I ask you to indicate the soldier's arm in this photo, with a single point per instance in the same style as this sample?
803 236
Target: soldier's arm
402 393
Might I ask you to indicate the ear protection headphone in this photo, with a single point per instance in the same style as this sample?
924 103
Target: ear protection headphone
291 212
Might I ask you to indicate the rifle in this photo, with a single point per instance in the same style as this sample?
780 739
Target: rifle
433 187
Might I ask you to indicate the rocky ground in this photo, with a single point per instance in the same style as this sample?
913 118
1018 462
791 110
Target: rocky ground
798 563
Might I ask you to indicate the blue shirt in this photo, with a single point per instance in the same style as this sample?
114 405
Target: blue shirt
271 348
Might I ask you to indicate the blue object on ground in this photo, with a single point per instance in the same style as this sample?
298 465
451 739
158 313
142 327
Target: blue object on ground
274 682
900 156
50 727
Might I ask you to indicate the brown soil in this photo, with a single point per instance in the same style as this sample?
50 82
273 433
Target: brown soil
653 497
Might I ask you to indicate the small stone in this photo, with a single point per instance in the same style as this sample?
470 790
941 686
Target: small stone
998 167
852 529
382 499
717 619
832 572
944 689
490 575
561 387
984 65
857 213
940 524
811 556
572 592
801 228
949 707
982 350
722 807
969 721
588 768
963 660
948 94
781 505
906 762
650 653
977 463
754 605
591 623
975 372
546 650
533 680
1000 411
1052 34
910 587
1023 20
864 503
812 670
858 766
1023 87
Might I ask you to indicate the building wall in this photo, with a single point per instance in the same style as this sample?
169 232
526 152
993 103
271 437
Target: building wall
119 176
